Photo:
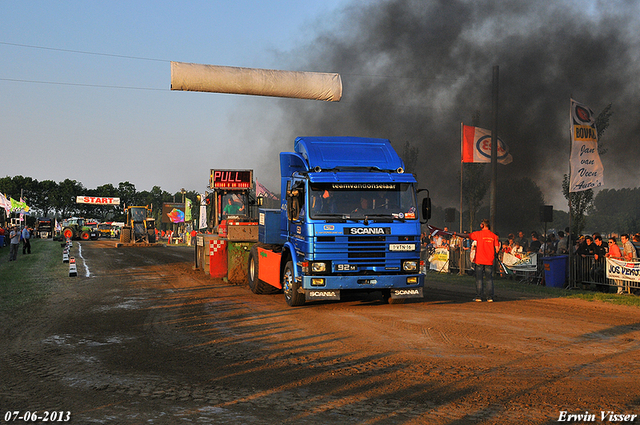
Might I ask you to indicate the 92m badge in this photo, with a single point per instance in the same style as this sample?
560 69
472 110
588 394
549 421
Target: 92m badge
346 268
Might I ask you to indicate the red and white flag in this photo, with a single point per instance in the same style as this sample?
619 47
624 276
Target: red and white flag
476 146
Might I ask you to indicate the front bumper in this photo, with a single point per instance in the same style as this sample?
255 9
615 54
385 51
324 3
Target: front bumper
334 284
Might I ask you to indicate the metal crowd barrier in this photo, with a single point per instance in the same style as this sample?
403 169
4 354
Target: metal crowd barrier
454 261
585 271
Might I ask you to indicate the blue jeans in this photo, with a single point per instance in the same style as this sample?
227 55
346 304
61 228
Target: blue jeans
13 251
481 269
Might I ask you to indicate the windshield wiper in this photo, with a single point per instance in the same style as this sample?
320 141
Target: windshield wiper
327 216
385 216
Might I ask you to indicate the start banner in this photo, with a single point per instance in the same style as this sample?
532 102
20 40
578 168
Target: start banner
623 270
97 200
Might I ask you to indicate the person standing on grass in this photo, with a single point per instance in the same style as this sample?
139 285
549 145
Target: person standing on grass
14 244
487 245
614 252
26 243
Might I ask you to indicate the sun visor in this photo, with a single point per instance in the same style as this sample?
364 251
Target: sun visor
348 152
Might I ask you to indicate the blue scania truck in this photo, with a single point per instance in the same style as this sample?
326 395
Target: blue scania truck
349 222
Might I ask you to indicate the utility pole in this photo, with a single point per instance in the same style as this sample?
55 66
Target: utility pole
494 148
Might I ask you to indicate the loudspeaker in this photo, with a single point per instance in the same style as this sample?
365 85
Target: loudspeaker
546 213
449 215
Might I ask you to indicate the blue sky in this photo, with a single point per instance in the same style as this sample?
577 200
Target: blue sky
85 86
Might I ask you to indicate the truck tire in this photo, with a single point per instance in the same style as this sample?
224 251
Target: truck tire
386 298
290 287
67 233
256 285
125 235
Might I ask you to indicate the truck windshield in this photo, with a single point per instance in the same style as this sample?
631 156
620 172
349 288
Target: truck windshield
138 214
359 200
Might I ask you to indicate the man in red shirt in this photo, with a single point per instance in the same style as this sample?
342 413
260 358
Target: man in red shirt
487 244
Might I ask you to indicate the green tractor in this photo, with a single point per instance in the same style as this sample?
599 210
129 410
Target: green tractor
139 227
75 228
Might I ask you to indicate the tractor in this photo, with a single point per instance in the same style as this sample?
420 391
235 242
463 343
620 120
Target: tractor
139 227
75 228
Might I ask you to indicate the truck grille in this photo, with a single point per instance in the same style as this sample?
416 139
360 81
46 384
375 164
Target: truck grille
366 252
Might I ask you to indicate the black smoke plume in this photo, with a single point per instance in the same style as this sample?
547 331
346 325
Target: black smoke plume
414 70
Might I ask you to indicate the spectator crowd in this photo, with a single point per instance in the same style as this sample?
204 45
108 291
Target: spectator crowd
12 236
595 248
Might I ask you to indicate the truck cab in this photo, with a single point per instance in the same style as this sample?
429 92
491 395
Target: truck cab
349 221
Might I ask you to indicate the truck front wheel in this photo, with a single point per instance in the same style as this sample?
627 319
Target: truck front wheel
386 298
291 286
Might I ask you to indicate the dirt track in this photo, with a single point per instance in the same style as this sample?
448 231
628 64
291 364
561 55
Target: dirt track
145 339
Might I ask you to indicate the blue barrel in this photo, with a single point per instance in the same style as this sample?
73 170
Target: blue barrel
555 270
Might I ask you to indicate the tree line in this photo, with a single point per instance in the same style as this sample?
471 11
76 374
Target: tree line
48 198
610 210
607 211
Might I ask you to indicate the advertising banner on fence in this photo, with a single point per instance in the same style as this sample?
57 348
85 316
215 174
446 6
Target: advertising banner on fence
623 270
586 168
440 260
527 262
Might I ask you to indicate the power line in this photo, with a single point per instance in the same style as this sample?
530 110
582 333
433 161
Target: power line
83 52
82 85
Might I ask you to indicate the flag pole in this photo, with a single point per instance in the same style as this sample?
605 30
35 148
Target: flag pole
569 241
461 171
494 148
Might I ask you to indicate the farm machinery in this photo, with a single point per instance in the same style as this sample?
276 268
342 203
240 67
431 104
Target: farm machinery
139 227
76 228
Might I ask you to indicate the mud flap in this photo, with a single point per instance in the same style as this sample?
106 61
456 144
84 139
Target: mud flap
314 294
397 293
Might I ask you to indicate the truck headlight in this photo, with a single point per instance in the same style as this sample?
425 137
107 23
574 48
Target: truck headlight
318 267
410 266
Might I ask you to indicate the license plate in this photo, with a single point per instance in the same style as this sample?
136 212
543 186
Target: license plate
346 268
402 247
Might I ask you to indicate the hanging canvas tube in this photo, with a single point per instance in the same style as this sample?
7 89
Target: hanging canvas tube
259 82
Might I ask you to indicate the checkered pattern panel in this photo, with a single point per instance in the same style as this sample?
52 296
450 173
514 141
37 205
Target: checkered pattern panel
215 245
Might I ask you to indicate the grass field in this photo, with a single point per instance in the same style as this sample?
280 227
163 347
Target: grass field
32 276
542 291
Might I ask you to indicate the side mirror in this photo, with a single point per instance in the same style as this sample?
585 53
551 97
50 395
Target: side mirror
426 209
426 206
